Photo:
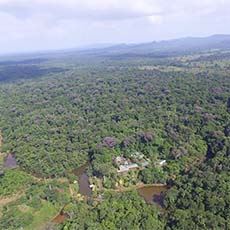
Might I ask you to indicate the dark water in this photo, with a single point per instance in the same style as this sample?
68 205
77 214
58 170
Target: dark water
83 180
153 193
10 161
84 189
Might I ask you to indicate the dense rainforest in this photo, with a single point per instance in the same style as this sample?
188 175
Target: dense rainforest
58 114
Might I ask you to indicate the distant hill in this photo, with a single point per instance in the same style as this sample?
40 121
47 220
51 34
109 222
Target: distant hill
165 48
155 49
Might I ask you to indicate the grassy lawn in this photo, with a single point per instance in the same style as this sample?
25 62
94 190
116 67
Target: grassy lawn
44 215
2 156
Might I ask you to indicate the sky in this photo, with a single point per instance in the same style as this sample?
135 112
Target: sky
33 25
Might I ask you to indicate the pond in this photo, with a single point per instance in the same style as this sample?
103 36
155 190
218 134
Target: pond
84 190
83 180
153 193
10 161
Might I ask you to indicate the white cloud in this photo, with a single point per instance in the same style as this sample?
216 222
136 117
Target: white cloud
94 9
156 19
107 9
43 24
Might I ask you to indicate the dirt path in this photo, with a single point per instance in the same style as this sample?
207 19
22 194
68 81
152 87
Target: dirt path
42 179
9 199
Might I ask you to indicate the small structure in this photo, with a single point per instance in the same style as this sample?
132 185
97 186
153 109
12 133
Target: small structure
140 159
92 187
162 162
125 164
136 161
120 160
127 167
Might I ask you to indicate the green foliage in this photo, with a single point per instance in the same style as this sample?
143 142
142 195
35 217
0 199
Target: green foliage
15 219
53 192
172 108
55 124
153 175
201 198
13 181
122 211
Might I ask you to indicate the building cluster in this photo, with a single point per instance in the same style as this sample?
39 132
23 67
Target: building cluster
136 161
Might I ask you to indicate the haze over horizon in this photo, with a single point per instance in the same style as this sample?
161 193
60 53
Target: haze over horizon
37 25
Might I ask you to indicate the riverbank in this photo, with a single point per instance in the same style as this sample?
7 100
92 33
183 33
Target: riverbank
151 193
135 187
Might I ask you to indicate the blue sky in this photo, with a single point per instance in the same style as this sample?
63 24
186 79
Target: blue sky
30 25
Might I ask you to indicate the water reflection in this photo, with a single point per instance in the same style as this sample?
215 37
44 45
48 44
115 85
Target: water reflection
10 161
153 193
83 180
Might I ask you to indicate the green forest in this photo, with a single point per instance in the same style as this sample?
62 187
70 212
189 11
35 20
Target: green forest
163 120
